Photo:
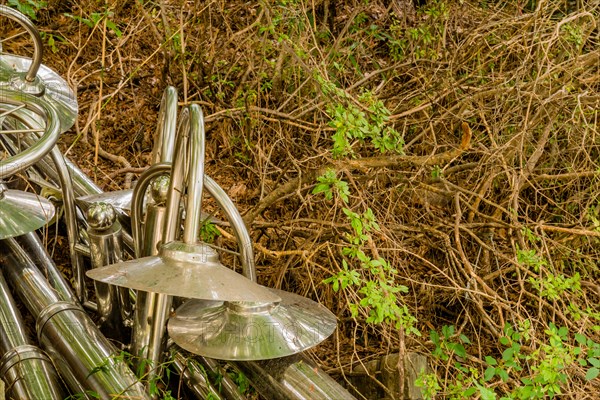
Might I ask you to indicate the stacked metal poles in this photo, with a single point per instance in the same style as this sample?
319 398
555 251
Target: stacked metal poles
84 357
26 370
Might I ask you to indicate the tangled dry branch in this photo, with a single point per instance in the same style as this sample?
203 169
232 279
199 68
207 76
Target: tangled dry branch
493 205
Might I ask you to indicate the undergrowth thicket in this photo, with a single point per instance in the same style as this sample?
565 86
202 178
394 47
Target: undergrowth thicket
430 173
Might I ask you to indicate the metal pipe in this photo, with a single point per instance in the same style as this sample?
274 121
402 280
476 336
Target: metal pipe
194 124
14 164
61 174
292 378
227 386
31 243
157 307
60 170
70 215
164 138
104 232
137 201
84 357
152 310
237 224
194 377
26 370
38 44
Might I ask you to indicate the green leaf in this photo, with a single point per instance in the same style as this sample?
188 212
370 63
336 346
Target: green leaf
489 373
502 374
486 394
459 350
504 341
320 188
563 332
435 338
464 339
447 331
508 354
594 361
592 373
490 360
581 339
113 27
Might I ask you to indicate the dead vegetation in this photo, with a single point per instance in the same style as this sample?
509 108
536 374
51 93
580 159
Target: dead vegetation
489 212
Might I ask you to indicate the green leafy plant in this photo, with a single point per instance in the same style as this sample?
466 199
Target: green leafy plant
328 183
445 346
366 124
52 40
375 280
208 231
96 18
28 7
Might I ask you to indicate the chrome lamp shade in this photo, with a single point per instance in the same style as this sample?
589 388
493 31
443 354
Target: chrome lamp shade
22 212
184 270
251 331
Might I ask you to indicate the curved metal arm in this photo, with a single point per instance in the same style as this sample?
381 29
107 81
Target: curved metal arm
237 224
190 142
25 159
137 201
164 139
195 181
38 48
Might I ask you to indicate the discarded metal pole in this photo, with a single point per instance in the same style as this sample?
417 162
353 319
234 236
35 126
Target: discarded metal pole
27 370
84 357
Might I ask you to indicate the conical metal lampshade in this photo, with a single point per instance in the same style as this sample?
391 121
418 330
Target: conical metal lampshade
22 212
55 89
185 270
244 331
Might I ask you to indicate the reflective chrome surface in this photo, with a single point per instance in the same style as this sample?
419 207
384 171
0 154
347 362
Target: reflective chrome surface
194 376
26 370
152 310
244 331
104 233
148 340
60 173
35 250
66 333
120 199
184 270
22 212
237 224
164 138
38 45
21 106
55 89
292 378
30 375
30 76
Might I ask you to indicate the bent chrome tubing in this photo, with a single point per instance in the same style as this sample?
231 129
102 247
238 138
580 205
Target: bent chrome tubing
164 138
10 101
237 224
61 173
38 44
31 243
151 309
